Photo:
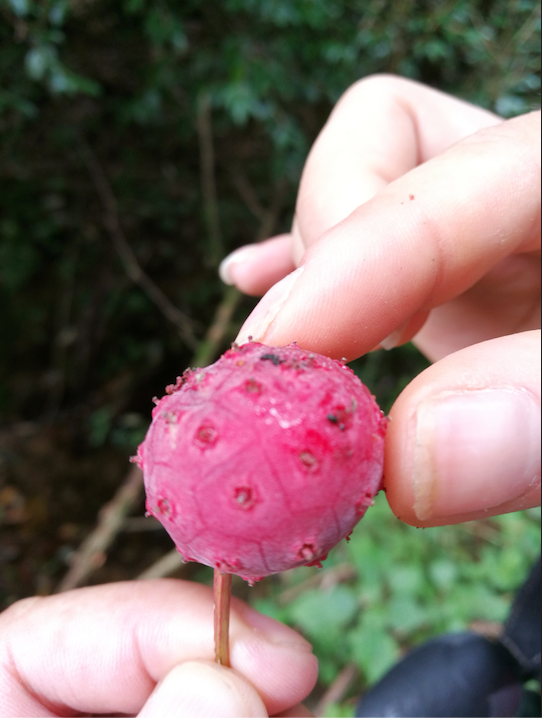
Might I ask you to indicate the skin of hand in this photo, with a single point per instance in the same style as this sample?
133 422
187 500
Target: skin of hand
146 648
418 217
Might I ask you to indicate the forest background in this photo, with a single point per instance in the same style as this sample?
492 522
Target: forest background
140 142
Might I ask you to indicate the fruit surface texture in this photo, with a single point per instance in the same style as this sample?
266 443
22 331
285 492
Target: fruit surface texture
264 460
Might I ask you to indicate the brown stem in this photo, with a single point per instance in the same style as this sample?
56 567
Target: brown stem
208 181
222 593
127 255
338 689
93 551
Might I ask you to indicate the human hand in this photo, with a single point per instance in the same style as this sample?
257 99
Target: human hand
146 648
418 216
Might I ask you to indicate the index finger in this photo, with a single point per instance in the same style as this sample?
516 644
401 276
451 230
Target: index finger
381 128
103 649
425 239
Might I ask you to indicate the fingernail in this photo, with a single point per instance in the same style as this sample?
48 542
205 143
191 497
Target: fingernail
267 309
474 450
228 263
394 339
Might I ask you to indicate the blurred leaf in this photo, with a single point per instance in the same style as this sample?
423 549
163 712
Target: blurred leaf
443 573
335 710
406 614
99 426
475 602
510 105
270 608
39 60
19 7
323 615
373 649
57 13
408 580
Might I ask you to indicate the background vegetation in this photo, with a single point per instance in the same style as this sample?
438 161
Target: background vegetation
141 141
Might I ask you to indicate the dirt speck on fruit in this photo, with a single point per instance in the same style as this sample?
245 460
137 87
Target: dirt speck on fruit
207 435
309 460
244 497
164 508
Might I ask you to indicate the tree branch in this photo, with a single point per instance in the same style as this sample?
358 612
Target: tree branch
247 194
93 551
126 253
338 689
207 178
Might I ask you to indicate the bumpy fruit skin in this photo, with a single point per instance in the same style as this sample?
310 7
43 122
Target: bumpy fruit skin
264 460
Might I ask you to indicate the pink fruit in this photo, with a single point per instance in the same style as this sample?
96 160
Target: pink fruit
264 460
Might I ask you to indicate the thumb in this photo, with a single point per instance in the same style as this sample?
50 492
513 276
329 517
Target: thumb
205 689
464 438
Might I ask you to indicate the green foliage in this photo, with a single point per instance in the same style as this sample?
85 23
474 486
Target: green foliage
338 710
407 585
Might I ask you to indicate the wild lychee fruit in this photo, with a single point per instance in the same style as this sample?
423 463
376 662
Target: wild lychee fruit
264 460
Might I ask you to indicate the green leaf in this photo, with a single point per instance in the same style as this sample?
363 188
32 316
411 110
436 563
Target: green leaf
510 105
407 580
406 614
39 60
443 573
19 7
57 13
270 608
324 614
338 710
99 425
373 649
476 602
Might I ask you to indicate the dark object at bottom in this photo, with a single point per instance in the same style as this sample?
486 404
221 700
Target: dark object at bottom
461 674
465 675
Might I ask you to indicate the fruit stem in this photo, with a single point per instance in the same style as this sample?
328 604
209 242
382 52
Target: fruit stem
222 595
